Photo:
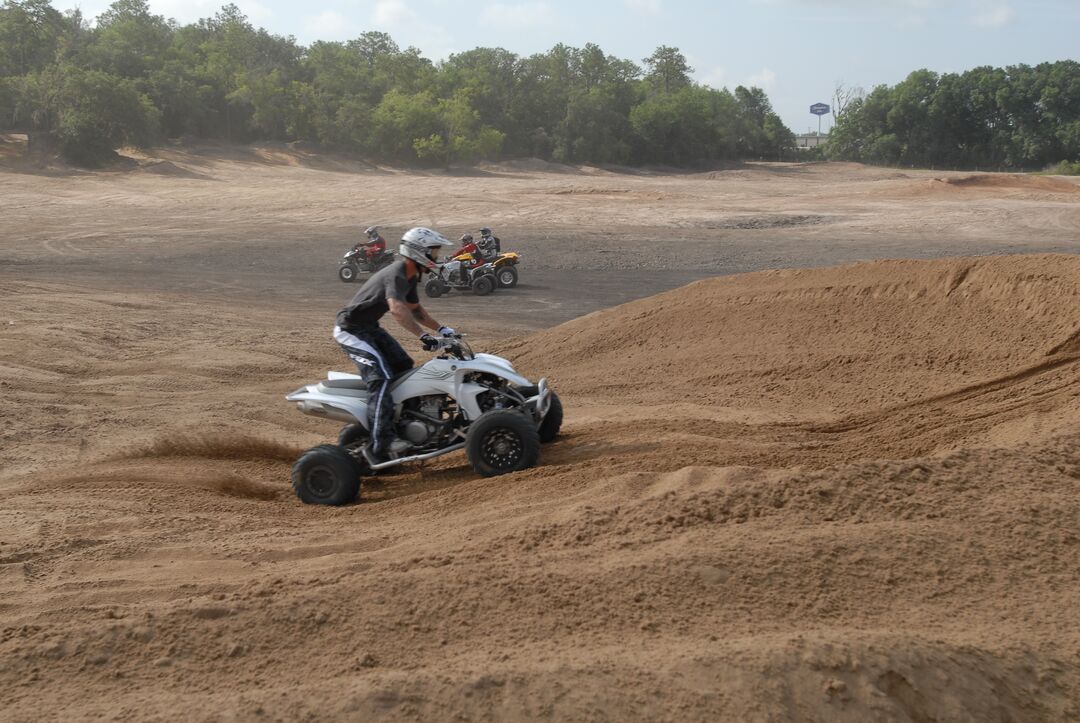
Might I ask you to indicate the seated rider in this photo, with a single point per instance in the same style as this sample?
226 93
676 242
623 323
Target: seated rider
487 238
377 354
468 246
373 247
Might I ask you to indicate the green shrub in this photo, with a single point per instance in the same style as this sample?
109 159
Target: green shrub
1065 168
99 112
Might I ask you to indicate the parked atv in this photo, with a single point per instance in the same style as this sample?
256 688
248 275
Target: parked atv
458 400
356 261
456 274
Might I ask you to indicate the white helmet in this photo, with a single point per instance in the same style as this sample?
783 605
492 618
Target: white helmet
417 244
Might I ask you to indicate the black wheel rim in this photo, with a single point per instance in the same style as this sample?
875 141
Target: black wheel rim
321 481
502 448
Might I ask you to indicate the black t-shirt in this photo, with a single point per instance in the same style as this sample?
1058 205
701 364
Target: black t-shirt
370 302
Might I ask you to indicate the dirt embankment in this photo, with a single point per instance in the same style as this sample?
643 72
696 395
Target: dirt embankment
834 494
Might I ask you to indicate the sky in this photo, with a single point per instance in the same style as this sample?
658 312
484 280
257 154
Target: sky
798 51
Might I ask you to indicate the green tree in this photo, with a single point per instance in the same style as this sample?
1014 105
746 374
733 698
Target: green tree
461 135
98 112
38 98
129 40
667 70
679 128
488 76
31 32
596 129
1018 117
400 119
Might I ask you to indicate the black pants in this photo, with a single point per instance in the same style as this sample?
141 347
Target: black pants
380 358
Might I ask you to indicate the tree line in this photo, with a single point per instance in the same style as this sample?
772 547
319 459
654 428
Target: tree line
133 77
1018 117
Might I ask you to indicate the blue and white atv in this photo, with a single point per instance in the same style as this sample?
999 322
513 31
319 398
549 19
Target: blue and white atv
457 400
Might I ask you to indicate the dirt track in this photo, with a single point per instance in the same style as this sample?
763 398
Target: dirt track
831 494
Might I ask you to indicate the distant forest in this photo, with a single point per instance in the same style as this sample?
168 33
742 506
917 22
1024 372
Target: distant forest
990 118
134 78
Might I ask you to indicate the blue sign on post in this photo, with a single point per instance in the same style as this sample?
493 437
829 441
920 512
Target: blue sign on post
819 109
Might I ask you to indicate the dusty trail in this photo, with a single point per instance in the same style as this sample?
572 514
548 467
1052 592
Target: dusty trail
845 493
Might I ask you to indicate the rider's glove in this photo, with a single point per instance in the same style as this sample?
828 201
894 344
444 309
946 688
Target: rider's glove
430 343
446 331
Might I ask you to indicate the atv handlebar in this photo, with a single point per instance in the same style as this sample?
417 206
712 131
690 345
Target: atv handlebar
456 346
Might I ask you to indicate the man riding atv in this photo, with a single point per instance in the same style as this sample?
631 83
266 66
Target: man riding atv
487 238
370 256
491 250
377 354
472 248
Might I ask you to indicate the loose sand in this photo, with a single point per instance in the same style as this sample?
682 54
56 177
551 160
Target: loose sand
847 493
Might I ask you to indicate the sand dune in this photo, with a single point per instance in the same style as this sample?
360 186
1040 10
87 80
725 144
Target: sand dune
816 494
846 493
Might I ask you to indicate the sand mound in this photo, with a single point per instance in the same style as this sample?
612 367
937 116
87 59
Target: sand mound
886 359
832 494
1007 185
1012 181
168 168
530 165
838 339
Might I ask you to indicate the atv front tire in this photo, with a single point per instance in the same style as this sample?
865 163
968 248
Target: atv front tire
483 285
502 441
326 475
433 288
552 422
352 433
347 273
549 428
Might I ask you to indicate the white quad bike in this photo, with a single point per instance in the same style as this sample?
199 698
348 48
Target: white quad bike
458 400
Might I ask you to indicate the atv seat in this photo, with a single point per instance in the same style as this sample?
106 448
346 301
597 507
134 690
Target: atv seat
351 385
345 382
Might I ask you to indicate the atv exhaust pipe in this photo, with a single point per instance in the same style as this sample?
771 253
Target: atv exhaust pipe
325 411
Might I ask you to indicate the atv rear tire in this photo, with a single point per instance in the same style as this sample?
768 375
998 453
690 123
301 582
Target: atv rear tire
347 273
508 277
326 475
502 441
433 288
483 285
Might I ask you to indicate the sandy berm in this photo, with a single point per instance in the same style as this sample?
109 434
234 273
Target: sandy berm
847 493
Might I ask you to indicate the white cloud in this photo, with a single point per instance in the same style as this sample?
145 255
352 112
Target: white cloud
518 15
994 16
764 79
185 11
645 7
715 77
392 13
328 25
